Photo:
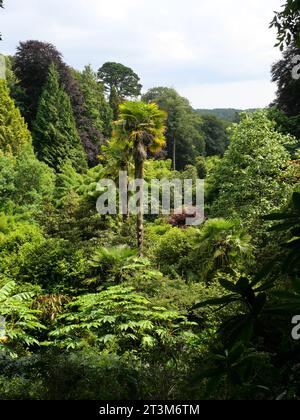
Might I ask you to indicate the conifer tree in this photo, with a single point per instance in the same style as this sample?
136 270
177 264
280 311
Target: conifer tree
96 106
14 134
96 116
56 139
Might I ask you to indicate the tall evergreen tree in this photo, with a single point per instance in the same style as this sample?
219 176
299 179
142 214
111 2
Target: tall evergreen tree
56 139
125 81
95 104
14 134
120 82
31 66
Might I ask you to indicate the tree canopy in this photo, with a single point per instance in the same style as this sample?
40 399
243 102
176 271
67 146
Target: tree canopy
123 79
287 23
184 138
31 66
137 304
120 82
215 135
288 87
14 134
56 139
249 180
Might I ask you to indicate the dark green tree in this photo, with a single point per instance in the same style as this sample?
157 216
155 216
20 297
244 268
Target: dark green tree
184 138
285 75
286 125
215 136
97 121
95 104
287 23
120 82
31 66
56 139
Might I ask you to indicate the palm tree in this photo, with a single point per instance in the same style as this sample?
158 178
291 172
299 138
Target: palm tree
142 127
118 156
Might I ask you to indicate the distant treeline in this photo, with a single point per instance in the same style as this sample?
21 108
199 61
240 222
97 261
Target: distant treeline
227 114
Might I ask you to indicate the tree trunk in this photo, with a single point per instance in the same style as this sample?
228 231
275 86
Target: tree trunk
127 215
139 174
174 154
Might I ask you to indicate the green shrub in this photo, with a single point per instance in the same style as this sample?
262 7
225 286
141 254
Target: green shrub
55 264
172 251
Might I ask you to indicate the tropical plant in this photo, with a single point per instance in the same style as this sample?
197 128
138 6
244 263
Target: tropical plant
184 137
235 372
251 296
220 246
112 266
289 222
172 251
19 320
141 126
118 318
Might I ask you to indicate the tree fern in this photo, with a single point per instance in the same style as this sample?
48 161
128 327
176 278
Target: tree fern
121 317
20 319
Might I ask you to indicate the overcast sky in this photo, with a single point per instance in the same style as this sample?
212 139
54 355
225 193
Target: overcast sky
217 53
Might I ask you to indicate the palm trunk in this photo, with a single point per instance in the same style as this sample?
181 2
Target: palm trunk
139 174
174 154
127 215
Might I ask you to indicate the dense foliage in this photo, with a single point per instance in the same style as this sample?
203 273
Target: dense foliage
116 307
183 129
56 139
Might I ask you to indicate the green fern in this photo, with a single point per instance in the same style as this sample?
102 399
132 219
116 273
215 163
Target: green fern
20 319
118 317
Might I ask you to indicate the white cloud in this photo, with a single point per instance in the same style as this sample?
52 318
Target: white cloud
241 95
168 42
170 46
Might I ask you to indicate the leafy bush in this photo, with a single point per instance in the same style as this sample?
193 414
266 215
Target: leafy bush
172 251
25 182
118 318
55 264
18 236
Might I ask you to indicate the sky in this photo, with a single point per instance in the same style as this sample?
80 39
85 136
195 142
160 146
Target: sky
216 53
